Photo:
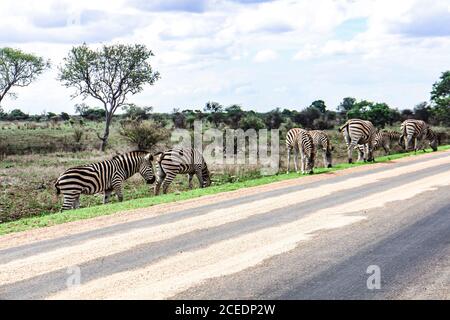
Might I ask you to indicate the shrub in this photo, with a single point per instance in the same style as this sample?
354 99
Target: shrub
144 134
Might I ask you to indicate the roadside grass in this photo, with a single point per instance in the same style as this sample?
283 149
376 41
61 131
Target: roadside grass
49 219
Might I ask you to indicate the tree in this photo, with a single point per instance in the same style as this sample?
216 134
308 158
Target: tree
422 111
215 111
234 115
273 119
108 75
251 121
145 135
135 112
18 69
346 104
319 105
17 114
440 96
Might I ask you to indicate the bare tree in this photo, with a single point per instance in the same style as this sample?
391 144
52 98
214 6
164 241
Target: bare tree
109 75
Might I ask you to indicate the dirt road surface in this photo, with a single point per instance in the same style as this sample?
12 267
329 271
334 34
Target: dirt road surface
375 232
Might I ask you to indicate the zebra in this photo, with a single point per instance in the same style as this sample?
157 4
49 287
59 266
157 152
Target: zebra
180 160
382 139
105 176
321 141
305 145
414 131
291 137
357 131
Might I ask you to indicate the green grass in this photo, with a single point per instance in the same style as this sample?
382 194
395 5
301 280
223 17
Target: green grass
95 211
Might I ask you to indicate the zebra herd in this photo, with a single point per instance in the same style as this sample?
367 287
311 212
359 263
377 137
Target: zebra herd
108 176
358 134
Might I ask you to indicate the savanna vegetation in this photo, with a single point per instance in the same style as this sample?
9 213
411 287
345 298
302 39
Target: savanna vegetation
35 149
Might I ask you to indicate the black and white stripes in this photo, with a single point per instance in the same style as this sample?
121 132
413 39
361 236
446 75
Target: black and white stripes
105 176
414 132
305 146
322 142
180 160
357 131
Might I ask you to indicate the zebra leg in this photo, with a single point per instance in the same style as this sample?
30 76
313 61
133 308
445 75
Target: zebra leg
190 176
76 203
302 159
160 176
296 159
361 156
288 159
69 200
199 175
167 181
106 196
119 192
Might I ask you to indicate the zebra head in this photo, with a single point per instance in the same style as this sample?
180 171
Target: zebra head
206 177
146 169
310 159
433 139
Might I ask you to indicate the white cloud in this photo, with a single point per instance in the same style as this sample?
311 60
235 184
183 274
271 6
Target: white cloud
265 56
204 50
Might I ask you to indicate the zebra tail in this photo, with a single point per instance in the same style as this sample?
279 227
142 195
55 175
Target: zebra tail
58 191
345 125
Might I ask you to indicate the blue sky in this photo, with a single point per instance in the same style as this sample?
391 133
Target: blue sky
260 54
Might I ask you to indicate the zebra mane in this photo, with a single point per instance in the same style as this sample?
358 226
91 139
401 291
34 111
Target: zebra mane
130 152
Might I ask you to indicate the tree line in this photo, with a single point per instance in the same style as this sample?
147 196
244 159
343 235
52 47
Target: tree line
112 73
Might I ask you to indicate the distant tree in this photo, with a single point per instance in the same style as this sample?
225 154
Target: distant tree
406 114
440 97
319 105
135 112
109 74
422 111
273 119
307 116
440 93
179 119
347 104
251 121
65 116
17 114
379 114
88 113
215 112
234 114
145 135
18 69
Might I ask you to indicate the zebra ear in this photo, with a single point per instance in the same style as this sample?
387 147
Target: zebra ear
149 157
158 156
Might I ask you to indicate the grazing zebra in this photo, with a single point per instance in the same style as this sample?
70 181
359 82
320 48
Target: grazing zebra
291 144
181 160
305 145
383 139
414 131
357 131
105 176
321 141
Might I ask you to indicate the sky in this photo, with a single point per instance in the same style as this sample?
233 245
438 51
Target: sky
260 54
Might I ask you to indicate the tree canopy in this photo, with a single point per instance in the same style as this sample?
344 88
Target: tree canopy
18 69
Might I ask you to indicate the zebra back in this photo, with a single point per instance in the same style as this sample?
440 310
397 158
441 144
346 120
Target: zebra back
359 131
183 160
